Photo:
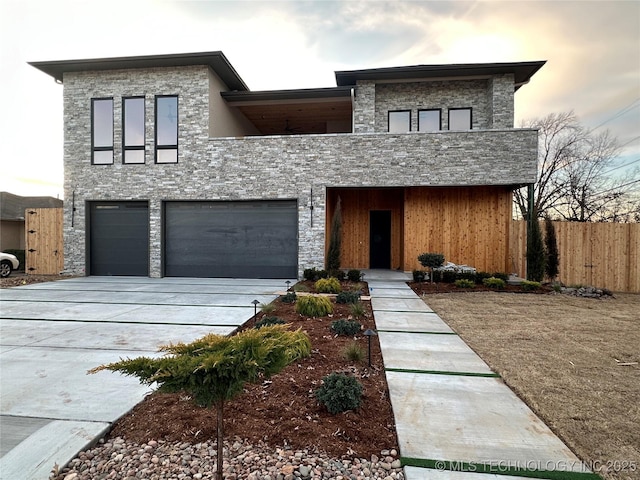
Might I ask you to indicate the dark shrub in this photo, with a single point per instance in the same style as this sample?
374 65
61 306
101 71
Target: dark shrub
310 274
339 393
322 274
348 297
466 276
290 297
267 321
353 275
431 260
339 274
419 275
348 328
480 276
448 276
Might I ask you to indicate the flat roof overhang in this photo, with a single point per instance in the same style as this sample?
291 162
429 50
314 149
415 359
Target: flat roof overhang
296 112
522 71
216 60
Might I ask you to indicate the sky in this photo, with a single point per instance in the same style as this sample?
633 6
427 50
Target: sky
592 49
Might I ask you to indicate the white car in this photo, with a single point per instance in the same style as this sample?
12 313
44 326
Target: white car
8 263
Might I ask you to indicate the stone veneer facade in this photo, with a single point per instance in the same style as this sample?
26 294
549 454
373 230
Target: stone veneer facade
285 167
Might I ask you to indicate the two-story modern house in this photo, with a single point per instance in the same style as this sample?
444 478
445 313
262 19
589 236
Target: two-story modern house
173 167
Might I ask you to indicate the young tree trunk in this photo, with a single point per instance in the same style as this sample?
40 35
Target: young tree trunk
220 434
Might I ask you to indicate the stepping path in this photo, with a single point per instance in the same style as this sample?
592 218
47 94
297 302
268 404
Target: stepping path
455 418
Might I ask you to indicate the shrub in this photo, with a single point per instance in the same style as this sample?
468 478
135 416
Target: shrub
322 274
536 256
357 309
447 276
529 286
310 274
419 275
335 239
339 393
353 352
501 276
464 283
552 267
466 276
431 261
493 282
267 308
480 276
314 306
268 321
328 285
289 297
348 297
300 287
339 274
348 328
353 275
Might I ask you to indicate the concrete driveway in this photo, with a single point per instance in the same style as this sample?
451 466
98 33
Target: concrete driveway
52 333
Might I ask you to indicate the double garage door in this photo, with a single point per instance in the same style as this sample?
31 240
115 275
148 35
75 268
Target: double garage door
254 239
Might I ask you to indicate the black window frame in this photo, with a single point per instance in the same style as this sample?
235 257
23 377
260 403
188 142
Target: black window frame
94 148
126 147
166 146
470 118
439 110
389 120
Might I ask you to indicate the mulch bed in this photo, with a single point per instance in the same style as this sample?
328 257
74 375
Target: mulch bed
283 411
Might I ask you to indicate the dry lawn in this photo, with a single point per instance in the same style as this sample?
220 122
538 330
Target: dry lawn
563 356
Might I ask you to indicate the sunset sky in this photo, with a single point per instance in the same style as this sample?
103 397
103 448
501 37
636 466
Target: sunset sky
592 50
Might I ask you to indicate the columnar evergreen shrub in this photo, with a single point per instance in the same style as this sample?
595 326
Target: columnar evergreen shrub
536 258
328 285
339 393
335 241
551 247
312 306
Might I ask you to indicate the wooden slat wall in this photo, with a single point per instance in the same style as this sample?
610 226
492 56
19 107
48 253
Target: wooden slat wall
605 255
469 225
356 205
43 235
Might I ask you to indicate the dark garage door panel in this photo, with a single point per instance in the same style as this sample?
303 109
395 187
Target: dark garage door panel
231 239
119 238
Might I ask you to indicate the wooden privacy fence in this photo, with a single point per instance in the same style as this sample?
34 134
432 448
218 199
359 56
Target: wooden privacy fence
44 252
605 255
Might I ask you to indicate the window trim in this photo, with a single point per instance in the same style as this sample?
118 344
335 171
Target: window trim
439 110
166 146
126 147
93 131
470 118
389 120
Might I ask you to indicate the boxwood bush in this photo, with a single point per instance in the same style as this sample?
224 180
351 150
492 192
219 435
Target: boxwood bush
493 282
339 393
419 275
353 275
348 328
348 297
289 297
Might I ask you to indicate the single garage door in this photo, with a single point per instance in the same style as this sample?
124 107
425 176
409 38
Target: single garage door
119 238
253 239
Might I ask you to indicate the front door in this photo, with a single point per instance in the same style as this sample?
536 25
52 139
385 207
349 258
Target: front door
380 239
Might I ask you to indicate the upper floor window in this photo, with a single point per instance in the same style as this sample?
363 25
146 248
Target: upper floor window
429 120
459 119
167 129
133 129
102 131
400 121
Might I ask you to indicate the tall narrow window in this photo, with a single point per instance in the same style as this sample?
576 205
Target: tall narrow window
459 119
133 130
429 120
400 121
167 129
102 131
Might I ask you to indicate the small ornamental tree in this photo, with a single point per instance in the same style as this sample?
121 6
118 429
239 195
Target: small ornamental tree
551 247
335 241
431 261
214 368
535 252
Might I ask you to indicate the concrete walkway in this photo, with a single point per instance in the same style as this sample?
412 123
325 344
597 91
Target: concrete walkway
52 333
455 418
